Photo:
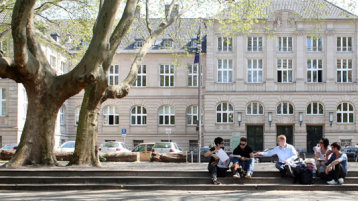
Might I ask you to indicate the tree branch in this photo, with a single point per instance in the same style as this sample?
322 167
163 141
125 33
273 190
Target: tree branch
170 10
147 17
7 69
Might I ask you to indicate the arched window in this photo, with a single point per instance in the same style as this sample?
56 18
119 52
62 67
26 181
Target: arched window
345 113
138 115
166 115
224 113
77 115
285 108
192 115
110 115
254 108
315 108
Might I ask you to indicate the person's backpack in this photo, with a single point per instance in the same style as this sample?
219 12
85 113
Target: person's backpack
303 174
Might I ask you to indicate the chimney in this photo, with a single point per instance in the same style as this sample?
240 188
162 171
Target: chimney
175 10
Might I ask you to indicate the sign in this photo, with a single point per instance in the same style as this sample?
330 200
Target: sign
124 131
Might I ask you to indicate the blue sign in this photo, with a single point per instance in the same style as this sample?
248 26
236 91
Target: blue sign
124 131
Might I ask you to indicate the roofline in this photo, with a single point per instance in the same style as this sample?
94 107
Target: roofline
341 8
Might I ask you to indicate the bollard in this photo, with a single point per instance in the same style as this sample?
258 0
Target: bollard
191 154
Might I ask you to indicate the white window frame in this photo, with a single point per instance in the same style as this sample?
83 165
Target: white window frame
342 113
193 75
254 68
63 67
314 44
254 108
141 80
229 113
113 75
344 44
312 111
281 105
139 113
192 115
224 70
285 44
224 44
314 69
167 43
285 67
166 112
110 111
164 74
62 116
53 62
2 102
77 115
138 43
344 70
255 44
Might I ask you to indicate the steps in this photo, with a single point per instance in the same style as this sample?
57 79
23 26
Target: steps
80 179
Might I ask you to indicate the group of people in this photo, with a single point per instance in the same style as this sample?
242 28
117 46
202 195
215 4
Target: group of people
331 164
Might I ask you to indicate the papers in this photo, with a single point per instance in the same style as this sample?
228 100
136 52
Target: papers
222 155
237 156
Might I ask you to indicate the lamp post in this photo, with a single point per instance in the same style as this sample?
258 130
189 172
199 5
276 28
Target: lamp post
330 118
300 118
239 117
270 118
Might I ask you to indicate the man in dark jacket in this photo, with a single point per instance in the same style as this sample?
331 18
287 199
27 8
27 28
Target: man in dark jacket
243 159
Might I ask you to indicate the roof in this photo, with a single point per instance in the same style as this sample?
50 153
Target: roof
5 17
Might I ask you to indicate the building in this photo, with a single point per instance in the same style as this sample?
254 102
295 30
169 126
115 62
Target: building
292 75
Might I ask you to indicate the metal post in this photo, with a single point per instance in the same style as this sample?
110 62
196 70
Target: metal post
192 155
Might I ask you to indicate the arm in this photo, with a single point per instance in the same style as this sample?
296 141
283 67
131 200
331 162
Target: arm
269 153
210 153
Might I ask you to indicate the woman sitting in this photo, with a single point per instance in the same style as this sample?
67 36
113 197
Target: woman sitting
322 152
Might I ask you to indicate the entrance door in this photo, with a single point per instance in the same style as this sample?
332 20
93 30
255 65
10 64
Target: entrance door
255 137
314 134
287 131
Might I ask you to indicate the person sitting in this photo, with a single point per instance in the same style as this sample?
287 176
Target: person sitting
216 167
243 159
286 155
321 154
337 166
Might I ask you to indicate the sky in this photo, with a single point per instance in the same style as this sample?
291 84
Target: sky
350 5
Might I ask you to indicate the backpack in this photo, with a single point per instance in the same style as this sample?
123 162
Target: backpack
303 174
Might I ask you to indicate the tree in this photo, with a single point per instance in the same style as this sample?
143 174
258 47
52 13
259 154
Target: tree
47 91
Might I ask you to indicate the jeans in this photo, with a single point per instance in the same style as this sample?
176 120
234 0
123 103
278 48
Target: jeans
214 169
248 166
280 166
336 173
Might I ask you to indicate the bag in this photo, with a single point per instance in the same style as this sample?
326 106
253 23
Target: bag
221 172
303 175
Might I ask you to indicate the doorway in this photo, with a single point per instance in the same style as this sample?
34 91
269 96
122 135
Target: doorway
255 137
287 131
314 134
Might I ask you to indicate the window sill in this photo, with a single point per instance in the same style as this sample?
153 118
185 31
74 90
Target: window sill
314 115
160 125
346 83
138 87
315 82
342 124
257 83
138 125
116 125
255 52
222 124
255 115
285 82
292 115
224 82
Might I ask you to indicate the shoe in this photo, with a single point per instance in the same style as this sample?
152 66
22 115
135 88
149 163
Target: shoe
332 182
340 180
236 175
248 175
216 182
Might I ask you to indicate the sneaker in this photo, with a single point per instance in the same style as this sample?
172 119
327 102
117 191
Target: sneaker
216 182
248 175
236 175
332 182
340 180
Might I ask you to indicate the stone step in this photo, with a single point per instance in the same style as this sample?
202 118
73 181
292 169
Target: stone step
261 187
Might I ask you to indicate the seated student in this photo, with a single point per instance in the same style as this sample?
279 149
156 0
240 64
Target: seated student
286 155
321 154
216 167
337 166
245 161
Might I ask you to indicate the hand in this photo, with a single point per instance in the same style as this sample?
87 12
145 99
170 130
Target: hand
287 161
258 154
328 169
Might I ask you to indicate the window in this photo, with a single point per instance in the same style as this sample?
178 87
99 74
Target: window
254 70
138 43
344 44
192 75
166 75
62 116
2 101
344 70
224 44
167 43
284 71
254 44
224 71
193 146
285 108
113 75
314 70
26 102
141 77
53 62
224 113
138 115
345 113
192 115
346 142
284 44
63 67
314 44
254 108
315 108
166 115
227 144
110 115
136 142
77 115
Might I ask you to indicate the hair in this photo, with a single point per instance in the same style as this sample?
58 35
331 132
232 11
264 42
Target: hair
218 140
336 145
243 139
325 142
281 137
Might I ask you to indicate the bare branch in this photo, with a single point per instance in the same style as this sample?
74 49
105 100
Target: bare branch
147 17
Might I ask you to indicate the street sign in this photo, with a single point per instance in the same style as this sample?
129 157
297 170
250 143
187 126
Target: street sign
124 131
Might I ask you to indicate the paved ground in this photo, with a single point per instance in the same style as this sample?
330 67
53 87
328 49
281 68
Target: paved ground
179 195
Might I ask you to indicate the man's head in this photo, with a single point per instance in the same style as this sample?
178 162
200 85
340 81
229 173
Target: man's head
281 140
324 142
219 142
335 147
243 142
